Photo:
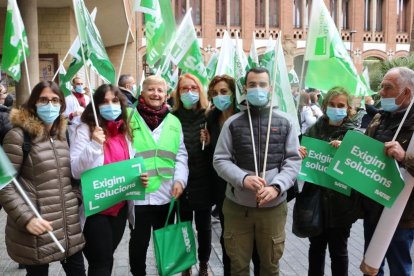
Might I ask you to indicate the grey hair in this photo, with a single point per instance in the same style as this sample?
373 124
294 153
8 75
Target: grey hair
405 78
123 80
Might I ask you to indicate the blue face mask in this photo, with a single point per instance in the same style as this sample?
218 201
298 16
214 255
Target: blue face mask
48 113
336 114
78 88
110 112
222 102
190 98
257 96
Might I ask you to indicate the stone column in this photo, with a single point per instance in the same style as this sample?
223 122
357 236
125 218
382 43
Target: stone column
248 23
28 10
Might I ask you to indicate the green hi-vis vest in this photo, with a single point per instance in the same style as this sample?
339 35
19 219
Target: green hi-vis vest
159 158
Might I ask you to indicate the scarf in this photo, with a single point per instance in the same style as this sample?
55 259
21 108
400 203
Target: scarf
81 99
152 117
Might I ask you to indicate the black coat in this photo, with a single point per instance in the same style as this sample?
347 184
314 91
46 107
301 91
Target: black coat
338 210
199 191
5 124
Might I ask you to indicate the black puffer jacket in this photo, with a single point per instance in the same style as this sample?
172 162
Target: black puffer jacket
338 210
382 128
199 191
5 124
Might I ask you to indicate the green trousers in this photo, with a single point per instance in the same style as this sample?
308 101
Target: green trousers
244 225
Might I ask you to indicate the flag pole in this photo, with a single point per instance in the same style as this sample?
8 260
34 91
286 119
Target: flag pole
85 66
403 120
125 45
256 170
29 202
271 104
25 64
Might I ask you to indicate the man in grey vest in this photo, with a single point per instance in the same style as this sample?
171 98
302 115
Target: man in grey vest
255 208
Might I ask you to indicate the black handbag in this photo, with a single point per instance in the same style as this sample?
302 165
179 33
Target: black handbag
307 214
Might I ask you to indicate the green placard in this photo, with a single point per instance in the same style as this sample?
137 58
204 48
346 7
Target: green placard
320 154
360 162
105 186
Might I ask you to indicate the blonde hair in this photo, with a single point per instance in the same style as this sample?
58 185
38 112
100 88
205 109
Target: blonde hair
154 80
338 91
202 103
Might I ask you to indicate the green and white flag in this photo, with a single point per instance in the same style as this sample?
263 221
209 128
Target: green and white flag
212 65
75 51
240 66
253 58
159 27
225 64
14 42
92 43
293 77
268 58
281 86
184 50
329 63
64 85
7 171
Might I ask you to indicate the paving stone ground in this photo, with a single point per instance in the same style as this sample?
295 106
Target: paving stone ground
294 260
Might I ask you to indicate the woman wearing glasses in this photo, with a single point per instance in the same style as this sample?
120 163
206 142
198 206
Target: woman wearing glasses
189 106
46 178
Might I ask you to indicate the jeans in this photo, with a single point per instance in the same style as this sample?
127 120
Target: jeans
73 266
337 241
147 217
103 234
398 253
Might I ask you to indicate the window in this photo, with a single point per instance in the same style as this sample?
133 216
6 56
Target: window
367 15
235 12
196 11
180 8
260 13
221 12
401 16
273 13
378 27
345 14
333 8
297 15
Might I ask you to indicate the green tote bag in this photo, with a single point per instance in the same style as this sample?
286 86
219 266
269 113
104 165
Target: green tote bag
174 245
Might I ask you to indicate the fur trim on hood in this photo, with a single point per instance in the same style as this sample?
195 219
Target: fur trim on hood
33 125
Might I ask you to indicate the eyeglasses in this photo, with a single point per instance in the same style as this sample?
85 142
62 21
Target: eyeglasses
188 88
45 101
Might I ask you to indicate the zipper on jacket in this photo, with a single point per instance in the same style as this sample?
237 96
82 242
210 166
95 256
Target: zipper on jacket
62 196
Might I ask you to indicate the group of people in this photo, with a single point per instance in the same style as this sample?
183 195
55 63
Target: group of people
204 150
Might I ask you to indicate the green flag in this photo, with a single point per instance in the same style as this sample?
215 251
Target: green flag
284 97
64 83
225 63
7 171
293 77
14 42
184 50
92 43
159 27
253 58
329 63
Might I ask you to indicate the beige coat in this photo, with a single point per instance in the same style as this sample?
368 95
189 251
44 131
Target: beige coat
46 178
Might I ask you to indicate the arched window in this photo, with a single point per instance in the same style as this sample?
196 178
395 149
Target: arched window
333 10
221 12
379 11
402 6
180 9
274 11
260 13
